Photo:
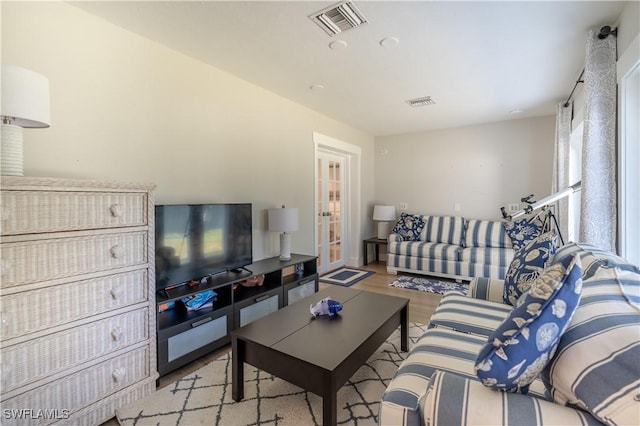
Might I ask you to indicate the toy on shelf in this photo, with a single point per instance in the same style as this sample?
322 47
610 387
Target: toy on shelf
198 301
326 306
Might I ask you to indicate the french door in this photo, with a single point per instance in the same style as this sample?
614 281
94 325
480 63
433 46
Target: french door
330 211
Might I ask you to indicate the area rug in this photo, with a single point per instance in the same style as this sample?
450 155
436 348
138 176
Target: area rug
430 285
345 277
204 396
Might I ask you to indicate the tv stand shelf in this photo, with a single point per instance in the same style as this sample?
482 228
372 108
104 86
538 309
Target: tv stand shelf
183 336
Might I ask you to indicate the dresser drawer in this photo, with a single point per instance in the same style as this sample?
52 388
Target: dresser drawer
31 212
40 260
38 358
82 388
61 304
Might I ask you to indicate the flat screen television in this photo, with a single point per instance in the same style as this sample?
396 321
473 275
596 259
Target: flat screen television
197 240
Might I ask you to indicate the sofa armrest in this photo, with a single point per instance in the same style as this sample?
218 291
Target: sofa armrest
454 400
394 238
487 289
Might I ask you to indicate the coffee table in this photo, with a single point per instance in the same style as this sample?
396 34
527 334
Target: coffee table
319 354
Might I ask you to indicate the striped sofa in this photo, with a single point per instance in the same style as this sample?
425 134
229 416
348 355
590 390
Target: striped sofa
453 247
593 378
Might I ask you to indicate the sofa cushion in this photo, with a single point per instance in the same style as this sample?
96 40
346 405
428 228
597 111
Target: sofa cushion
426 250
527 264
436 349
522 231
443 229
500 257
409 226
518 350
486 233
459 312
454 400
596 365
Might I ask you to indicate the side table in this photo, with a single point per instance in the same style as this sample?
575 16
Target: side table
377 242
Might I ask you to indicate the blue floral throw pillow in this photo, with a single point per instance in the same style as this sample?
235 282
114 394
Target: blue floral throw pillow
527 264
523 344
522 231
409 227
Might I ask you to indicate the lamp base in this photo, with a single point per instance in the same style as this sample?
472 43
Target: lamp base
285 246
11 152
383 230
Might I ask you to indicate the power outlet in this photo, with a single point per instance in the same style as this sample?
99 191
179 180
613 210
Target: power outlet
512 208
404 206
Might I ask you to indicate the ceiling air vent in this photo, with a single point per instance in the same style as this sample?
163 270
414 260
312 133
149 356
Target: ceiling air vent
418 102
338 18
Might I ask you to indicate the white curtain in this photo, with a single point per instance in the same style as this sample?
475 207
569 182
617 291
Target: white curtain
598 195
561 154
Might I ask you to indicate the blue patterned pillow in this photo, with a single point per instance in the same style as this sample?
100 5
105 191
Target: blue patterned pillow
523 344
522 231
527 264
409 227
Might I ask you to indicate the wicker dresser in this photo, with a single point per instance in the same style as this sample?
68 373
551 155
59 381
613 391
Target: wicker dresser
77 299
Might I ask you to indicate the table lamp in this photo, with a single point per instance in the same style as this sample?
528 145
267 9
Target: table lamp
284 220
383 214
25 104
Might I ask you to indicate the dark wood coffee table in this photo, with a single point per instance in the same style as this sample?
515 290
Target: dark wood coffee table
319 354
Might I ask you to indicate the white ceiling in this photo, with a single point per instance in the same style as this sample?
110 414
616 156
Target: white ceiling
477 60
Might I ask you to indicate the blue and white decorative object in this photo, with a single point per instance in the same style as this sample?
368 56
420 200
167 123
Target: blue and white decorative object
200 300
326 306
522 231
409 227
519 349
527 265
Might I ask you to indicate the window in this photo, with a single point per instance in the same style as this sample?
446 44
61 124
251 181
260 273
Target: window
629 153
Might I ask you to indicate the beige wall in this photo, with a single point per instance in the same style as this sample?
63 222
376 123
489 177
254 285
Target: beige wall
628 25
480 167
125 108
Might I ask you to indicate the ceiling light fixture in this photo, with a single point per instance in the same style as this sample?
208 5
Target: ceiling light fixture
337 45
389 42
338 18
419 102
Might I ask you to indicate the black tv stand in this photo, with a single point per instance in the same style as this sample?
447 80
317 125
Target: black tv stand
184 336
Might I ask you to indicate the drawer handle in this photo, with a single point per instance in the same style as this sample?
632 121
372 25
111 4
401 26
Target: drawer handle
115 292
116 210
261 298
116 333
118 374
116 251
202 321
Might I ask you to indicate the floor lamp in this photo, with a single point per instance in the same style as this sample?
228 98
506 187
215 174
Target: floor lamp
25 104
284 220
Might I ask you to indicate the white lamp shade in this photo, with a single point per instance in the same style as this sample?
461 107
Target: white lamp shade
384 213
283 220
25 97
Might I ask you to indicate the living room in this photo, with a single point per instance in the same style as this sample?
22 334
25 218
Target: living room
126 108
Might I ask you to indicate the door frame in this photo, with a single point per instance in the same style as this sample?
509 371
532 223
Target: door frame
352 160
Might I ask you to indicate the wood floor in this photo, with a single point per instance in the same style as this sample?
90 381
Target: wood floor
421 306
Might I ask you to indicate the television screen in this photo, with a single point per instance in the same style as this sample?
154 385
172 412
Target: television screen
197 240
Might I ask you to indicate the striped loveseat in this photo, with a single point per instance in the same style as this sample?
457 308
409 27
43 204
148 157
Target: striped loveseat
592 378
453 247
